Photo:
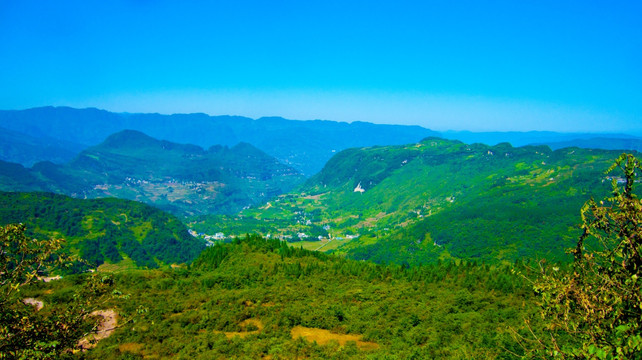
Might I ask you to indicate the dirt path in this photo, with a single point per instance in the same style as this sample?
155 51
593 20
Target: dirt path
321 247
105 328
37 303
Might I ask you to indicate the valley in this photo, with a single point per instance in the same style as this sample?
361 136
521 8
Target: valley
428 249
320 180
434 200
409 204
182 179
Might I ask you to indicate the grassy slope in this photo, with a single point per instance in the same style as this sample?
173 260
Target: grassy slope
441 198
103 230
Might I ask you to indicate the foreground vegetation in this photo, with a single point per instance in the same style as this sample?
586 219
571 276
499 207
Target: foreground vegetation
262 298
28 329
595 310
253 298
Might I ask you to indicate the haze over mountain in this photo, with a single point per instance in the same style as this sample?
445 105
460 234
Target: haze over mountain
624 143
57 134
27 150
556 140
305 145
184 179
441 65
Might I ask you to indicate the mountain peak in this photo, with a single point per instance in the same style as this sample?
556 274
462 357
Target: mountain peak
129 138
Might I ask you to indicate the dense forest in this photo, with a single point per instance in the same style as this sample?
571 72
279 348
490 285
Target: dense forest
179 178
436 199
103 230
257 298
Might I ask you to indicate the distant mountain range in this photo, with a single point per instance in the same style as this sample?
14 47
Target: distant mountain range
27 150
304 145
183 179
626 144
57 134
554 140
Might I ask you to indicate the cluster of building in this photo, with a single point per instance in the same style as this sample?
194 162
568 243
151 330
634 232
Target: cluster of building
211 239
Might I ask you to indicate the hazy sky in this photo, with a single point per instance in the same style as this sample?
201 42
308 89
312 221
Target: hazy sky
483 65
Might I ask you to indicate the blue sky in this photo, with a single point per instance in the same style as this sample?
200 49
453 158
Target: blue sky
474 65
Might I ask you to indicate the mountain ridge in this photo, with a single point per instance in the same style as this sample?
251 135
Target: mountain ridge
306 145
413 203
522 138
181 178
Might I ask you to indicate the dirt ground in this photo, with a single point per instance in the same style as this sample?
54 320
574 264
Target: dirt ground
37 303
105 328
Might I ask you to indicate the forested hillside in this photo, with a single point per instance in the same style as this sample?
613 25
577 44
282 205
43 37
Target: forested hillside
255 299
263 298
103 230
15 177
437 199
182 179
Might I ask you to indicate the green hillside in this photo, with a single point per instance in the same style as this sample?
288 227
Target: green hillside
15 177
263 298
182 179
435 200
103 230
254 299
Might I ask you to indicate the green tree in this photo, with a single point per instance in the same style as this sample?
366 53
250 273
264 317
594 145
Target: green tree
50 333
595 309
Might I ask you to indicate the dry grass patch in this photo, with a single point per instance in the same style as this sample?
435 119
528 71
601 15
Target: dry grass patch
322 337
255 323
134 348
314 197
123 265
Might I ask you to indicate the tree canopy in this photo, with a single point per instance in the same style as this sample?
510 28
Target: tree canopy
597 306
27 332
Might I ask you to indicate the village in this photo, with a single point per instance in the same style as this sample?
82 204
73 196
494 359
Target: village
298 237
